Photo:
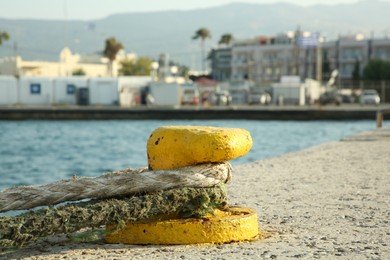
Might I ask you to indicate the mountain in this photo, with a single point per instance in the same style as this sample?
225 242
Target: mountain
153 33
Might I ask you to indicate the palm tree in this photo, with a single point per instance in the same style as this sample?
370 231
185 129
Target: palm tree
111 50
4 36
226 39
203 34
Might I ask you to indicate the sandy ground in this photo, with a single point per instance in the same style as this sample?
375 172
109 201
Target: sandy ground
329 201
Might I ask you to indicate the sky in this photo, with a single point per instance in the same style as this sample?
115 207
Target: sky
96 9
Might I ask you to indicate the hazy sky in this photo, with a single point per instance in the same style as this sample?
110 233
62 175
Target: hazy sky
93 9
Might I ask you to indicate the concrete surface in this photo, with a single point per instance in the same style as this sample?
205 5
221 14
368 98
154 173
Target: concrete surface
331 201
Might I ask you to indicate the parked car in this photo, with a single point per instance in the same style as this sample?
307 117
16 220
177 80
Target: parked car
370 96
221 98
347 99
330 97
259 98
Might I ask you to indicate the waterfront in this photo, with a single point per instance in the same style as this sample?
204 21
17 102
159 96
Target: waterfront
270 112
39 151
325 202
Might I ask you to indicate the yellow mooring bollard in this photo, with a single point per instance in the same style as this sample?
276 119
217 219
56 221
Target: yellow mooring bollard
236 224
174 147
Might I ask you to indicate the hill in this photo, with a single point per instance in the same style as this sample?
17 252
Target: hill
153 33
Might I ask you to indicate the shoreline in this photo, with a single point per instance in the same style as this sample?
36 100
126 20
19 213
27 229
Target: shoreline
272 112
327 201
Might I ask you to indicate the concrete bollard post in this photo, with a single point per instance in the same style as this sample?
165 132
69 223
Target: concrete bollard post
379 119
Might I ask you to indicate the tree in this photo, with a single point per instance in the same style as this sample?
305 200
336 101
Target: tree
4 36
226 39
183 70
111 49
202 34
377 70
140 67
356 72
325 67
78 72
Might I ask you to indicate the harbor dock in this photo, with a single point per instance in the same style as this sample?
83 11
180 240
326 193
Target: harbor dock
327 201
272 112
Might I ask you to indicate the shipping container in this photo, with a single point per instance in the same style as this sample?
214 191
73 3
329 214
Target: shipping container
8 90
103 91
65 89
36 90
165 94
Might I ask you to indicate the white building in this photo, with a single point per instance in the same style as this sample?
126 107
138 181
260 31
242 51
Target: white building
8 90
68 64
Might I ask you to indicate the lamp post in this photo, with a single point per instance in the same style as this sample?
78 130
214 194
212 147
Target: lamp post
319 60
174 70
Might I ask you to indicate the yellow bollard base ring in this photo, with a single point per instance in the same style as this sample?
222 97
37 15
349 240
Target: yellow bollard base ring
233 225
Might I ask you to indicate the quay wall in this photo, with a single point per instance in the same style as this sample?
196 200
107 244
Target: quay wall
104 113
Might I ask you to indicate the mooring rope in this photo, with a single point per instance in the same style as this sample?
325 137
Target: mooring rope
182 202
116 197
119 183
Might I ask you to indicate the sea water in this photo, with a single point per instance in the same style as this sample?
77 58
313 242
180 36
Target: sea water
39 152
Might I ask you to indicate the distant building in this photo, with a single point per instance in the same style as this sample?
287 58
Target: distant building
267 59
262 61
68 63
221 63
347 50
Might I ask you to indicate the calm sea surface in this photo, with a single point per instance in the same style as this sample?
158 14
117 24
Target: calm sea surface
38 152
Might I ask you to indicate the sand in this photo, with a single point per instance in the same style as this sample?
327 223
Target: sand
328 201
